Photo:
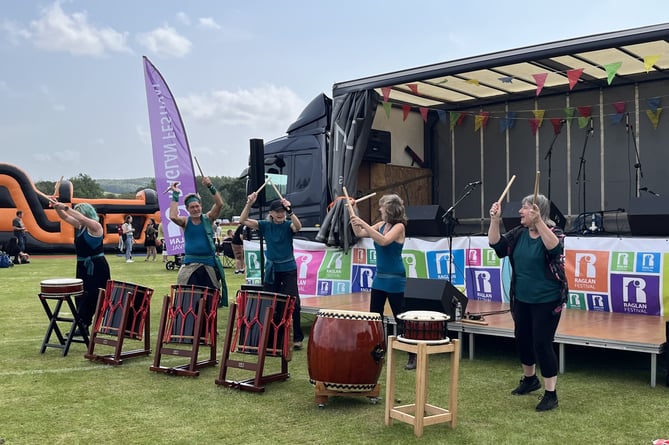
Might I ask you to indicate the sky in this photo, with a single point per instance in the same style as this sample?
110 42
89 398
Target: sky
72 94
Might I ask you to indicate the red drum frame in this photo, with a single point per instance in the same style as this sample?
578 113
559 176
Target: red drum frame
122 312
259 324
187 322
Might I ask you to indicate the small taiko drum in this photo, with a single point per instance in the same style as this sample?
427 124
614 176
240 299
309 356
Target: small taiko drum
62 286
346 349
427 326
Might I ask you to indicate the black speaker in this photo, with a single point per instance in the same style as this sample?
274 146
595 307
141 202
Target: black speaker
648 216
425 221
511 217
257 170
378 147
424 294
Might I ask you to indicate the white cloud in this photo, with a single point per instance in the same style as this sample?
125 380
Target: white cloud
143 134
15 34
269 107
58 156
57 31
208 22
165 41
183 18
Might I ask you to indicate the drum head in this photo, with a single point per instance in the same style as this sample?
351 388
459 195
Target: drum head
62 282
348 315
423 316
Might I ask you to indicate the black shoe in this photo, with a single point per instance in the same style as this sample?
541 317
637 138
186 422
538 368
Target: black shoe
548 401
527 385
298 345
411 364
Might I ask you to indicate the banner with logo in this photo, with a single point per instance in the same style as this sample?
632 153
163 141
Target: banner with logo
628 275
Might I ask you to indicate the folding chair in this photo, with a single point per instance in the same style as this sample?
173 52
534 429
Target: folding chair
123 312
228 257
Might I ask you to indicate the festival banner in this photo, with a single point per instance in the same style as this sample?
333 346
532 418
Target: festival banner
172 161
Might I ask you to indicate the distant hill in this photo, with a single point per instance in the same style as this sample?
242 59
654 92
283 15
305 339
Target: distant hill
121 186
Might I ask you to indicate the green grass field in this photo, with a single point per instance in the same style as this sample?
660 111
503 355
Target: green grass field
604 396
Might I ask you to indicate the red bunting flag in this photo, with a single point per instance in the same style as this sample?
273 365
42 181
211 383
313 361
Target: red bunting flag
540 79
573 76
386 93
534 125
557 124
423 112
413 87
584 111
405 111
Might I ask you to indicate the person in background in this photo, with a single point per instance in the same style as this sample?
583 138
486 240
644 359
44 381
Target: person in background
128 238
280 266
238 249
150 238
13 250
121 244
390 279
20 230
163 245
201 266
92 266
538 291
218 233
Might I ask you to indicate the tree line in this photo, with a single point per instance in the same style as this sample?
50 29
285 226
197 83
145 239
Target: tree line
232 190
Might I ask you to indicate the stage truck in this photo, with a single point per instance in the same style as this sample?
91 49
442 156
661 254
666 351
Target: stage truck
448 137
46 232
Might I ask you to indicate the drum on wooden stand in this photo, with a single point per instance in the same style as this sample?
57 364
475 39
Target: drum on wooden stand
62 286
424 326
345 350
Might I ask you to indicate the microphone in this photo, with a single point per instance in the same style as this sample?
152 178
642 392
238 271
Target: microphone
646 189
474 184
627 122
592 128
563 121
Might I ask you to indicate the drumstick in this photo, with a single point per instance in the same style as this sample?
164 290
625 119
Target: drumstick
536 187
275 189
365 197
56 187
263 185
198 166
348 203
506 190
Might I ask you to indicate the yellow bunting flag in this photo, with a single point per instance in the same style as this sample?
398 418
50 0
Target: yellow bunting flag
649 61
654 117
539 116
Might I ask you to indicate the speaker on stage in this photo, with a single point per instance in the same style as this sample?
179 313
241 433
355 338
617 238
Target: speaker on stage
423 294
648 215
378 147
511 217
425 221
257 170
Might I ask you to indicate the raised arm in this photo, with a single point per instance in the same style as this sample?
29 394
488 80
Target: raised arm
244 217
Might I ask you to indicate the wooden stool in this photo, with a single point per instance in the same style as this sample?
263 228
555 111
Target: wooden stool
421 413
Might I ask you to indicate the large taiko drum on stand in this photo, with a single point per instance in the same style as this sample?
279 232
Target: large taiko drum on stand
346 349
62 286
423 326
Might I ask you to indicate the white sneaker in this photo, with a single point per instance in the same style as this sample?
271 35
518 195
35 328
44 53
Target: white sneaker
129 261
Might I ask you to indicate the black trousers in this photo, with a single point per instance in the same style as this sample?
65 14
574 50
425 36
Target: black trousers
286 283
535 326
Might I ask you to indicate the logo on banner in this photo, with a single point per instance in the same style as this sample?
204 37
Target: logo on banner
442 265
414 263
473 257
490 258
308 263
252 260
622 261
484 284
598 302
362 279
587 271
648 262
334 265
635 294
363 256
577 301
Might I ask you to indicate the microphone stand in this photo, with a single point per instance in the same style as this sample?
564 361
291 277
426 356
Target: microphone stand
581 170
638 172
549 156
450 222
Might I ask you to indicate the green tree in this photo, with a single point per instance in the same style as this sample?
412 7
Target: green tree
46 187
86 187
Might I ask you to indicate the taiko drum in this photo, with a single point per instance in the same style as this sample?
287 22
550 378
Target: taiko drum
346 349
422 325
62 286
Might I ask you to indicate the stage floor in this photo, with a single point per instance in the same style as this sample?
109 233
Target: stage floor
630 332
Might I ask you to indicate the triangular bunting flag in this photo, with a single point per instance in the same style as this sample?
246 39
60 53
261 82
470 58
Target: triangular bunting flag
654 117
481 120
584 111
573 76
620 111
534 125
386 107
557 124
569 113
616 118
583 122
654 103
540 80
405 111
423 112
386 93
508 79
454 117
539 116
413 87
611 70
442 115
444 80
649 61
473 81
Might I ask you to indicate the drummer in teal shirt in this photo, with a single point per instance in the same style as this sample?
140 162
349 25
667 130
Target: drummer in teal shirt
388 236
